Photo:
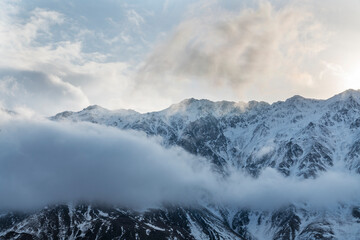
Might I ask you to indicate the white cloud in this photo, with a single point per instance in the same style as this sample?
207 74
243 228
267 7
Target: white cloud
135 18
36 90
265 150
67 78
44 162
266 53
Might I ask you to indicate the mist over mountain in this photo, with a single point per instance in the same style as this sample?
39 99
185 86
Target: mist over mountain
179 120
196 170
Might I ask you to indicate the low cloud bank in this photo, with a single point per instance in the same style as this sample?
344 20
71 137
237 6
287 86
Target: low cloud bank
44 162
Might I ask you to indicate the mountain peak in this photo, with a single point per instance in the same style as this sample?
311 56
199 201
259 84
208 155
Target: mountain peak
295 98
349 93
194 101
93 107
188 104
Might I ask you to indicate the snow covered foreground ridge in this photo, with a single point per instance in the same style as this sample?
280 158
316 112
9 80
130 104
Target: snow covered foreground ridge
300 138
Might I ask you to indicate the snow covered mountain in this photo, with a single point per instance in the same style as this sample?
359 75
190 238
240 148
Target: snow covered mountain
299 137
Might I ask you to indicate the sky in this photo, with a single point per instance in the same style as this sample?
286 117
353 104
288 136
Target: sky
145 55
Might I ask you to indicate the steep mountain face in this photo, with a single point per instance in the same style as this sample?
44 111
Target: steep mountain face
99 222
298 137
95 222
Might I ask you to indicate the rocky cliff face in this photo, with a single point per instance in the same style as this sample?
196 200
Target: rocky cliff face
299 137
99 222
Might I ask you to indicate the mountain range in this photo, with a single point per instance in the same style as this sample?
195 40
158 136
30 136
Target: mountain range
300 138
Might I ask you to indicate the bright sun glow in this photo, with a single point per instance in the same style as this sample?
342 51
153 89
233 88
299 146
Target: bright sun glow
352 79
